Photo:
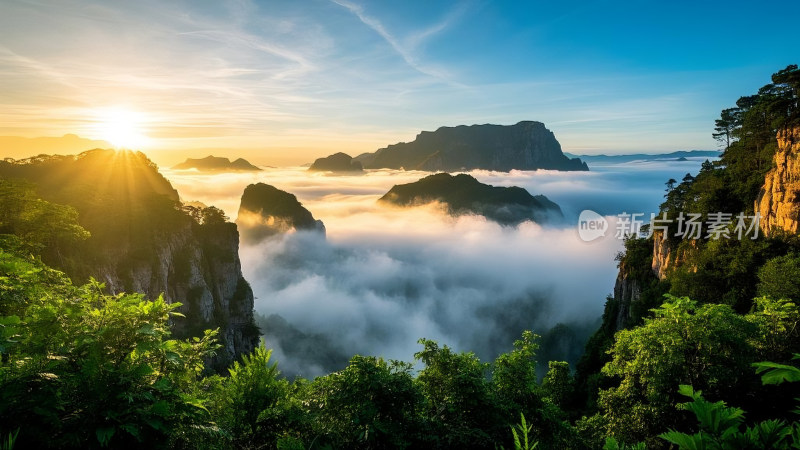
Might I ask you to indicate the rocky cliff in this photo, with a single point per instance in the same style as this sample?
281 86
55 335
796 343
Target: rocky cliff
266 210
525 146
627 292
143 240
779 199
198 266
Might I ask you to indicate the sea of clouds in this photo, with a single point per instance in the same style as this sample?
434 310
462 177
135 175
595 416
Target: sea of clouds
384 277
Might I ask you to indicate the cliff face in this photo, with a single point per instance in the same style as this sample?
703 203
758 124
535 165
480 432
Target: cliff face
779 200
662 256
648 261
144 241
525 146
627 291
644 262
198 266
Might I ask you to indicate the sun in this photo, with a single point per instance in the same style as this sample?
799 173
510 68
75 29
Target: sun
122 128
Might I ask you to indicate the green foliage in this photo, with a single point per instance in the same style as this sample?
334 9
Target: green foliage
591 430
514 375
68 341
370 404
778 277
459 401
8 441
612 444
250 403
557 384
722 271
719 427
516 390
709 346
636 258
520 433
750 131
779 327
774 373
40 225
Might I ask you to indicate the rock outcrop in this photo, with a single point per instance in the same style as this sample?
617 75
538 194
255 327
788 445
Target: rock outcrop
463 194
266 210
143 240
338 162
216 164
525 146
779 199
198 266
627 291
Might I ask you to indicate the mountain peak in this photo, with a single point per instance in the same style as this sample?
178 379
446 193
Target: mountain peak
213 163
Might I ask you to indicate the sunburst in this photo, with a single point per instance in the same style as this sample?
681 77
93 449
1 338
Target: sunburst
122 128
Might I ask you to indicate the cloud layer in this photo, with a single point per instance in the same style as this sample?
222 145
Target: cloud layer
385 277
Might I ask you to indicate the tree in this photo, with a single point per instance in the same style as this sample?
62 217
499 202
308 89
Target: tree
250 401
778 277
724 126
458 400
670 185
709 346
212 216
557 384
514 376
370 404
41 226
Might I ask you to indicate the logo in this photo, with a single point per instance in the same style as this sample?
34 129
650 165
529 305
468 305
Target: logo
591 225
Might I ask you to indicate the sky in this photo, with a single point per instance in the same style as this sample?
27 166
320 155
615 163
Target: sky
282 82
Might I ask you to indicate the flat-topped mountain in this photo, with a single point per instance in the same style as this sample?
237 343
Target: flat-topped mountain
464 194
526 145
266 210
338 162
216 164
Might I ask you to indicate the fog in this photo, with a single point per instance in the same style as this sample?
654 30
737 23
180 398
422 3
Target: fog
384 277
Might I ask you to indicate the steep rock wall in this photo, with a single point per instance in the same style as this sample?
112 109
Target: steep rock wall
779 200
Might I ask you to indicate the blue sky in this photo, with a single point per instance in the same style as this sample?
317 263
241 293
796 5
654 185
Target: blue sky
295 79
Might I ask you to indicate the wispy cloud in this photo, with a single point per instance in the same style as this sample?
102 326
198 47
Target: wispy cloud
407 48
342 75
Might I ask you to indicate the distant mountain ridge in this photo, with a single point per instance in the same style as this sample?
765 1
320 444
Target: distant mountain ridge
463 194
68 144
526 145
216 164
618 159
338 162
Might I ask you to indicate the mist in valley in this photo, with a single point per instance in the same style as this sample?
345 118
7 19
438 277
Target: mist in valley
383 277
